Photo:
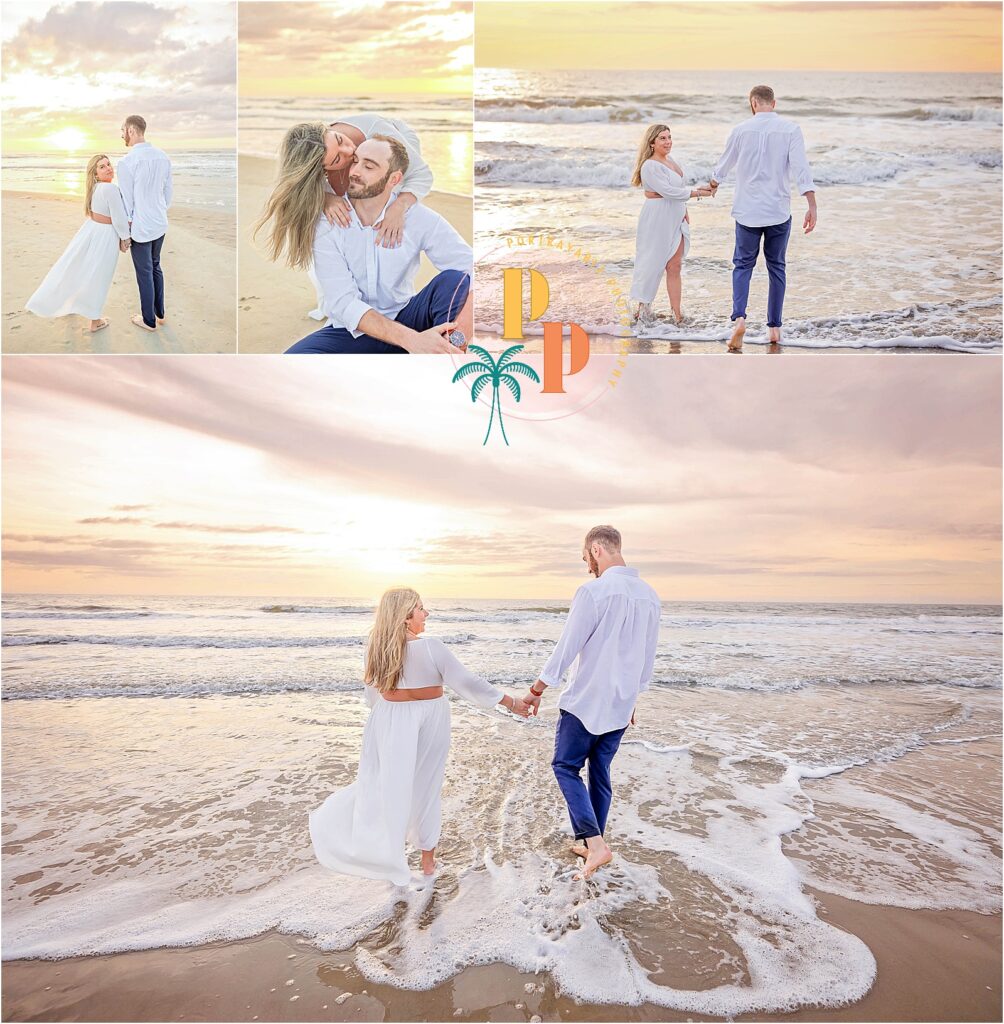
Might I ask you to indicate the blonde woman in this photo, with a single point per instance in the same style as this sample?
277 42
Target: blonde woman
663 228
396 798
81 277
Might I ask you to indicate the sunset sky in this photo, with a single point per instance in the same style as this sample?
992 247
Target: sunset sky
730 479
355 48
822 36
73 71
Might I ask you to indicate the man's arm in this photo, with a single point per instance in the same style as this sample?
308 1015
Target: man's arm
168 186
445 247
579 627
727 161
802 173
126 186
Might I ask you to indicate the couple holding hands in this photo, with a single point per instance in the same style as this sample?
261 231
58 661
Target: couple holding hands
611 632
767 154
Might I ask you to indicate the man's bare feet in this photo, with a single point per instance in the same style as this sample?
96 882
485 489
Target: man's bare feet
98 325
579 850
597 854
428 862
161 319
774 335
138 321
736 341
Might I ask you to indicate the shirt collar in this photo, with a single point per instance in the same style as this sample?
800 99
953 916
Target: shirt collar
766 113
626 570
359 223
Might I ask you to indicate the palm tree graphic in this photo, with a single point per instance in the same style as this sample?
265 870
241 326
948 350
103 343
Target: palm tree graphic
495 373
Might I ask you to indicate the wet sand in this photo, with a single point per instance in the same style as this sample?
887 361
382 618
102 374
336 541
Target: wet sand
932 966
199 263
275 300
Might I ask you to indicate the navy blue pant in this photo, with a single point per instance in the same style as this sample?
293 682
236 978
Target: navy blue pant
437 303
150 278
775 245
574 745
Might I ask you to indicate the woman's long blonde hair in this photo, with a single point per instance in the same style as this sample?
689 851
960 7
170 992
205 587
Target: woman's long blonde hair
91 180
646 149
385 650
297 198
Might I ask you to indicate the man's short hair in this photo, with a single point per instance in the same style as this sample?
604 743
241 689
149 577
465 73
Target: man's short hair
763 93
398 154
137 122
605 536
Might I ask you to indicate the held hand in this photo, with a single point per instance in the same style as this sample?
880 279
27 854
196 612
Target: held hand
532 701
338 211
390 230
704 192
713 185
124 244
520 708
432 341
810 219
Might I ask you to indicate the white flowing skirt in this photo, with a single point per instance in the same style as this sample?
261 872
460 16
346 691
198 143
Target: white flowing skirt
397 795
80 280
660 228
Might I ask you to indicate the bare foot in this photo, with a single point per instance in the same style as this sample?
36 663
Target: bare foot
98 325
161 319
736 341
678 318
138 321
579 851
774 335
428 862
598 854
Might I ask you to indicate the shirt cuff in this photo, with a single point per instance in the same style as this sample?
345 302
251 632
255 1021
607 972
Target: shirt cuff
352 312
549 678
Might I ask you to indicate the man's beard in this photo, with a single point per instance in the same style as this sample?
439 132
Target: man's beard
368 191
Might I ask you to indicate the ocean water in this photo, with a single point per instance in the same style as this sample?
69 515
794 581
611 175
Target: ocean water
202 178
162 754
442 123
907 252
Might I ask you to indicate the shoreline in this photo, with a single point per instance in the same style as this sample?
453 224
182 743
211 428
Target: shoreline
932 966
199 262
273 300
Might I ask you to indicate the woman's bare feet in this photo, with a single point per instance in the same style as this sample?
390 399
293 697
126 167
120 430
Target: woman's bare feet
736 341
678 318
597 854
98 325
428 862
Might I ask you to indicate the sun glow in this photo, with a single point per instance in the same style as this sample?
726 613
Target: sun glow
71 140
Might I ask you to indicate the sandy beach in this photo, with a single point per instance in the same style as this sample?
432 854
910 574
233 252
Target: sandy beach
274 300
200 282
932 966
796 839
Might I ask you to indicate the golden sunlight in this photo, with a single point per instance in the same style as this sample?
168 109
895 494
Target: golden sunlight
71 140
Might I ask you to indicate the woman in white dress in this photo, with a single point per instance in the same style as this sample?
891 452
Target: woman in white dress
663 227
396 798
80 280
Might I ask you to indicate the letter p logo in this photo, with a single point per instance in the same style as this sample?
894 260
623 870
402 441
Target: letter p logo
512 327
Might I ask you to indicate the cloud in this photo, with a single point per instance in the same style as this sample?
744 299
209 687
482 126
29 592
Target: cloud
213 528
111 519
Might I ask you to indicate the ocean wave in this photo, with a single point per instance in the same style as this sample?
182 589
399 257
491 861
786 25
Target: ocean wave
193 642
307 609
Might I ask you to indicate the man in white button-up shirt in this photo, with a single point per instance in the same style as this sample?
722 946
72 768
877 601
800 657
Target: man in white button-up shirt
611 632
145 182
367 290
767 153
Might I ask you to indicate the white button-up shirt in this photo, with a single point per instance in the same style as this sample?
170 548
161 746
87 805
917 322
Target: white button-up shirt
145 183
356 275
612 628
768 154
